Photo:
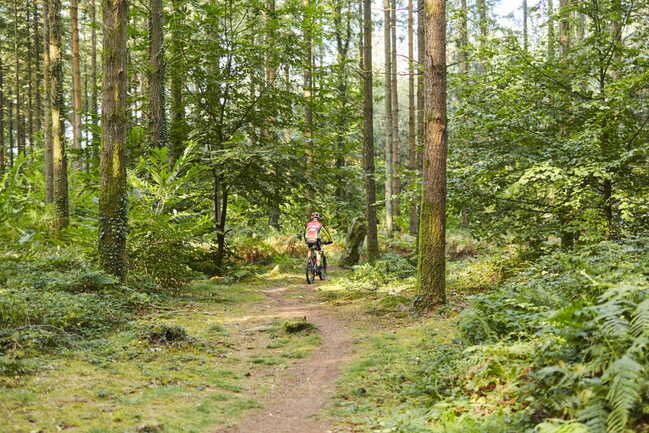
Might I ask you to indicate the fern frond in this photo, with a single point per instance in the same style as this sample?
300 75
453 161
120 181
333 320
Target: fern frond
624 377
640 319
611 317
594 416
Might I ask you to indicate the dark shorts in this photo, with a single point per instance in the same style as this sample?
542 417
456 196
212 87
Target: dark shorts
315 245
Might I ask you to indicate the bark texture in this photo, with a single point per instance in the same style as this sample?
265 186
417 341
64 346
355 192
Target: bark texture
157 117
59 157
354 240
368 134
48 170
432 232
396 138
113 198
412 127
389 130
76 83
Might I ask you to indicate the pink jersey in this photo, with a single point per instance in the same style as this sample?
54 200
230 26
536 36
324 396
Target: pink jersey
313 230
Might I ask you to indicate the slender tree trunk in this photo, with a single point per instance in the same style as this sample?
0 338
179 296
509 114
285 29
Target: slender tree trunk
48 157
30 84
396 136
94 93
11 132
389 130
76 83
551 35
157 117
342 26
38 50
525 34
59 159
177 136
483 22
464 38
20 133
421 60
564 28
308 76
274 212
368 134
432 232
113 213
412 127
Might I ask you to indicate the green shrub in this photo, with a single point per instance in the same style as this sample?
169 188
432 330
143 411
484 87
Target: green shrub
587 314
390 268
163 334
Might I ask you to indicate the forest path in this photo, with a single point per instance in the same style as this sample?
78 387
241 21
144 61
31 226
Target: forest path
301 392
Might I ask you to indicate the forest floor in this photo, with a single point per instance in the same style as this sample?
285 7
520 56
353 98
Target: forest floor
238 370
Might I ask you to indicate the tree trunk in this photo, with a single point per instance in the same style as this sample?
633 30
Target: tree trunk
177 132
113 214
94 93
421 60
464 38
389 112
157 118
11 133
525 35
274 212
564 27
412 127
483 22
308 77
30 85
20 133
396 136
355 236
368 134
551 36
48 169
59 158
432 232
76 84
38 50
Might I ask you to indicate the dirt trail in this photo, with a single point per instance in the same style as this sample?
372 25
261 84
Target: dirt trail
300 392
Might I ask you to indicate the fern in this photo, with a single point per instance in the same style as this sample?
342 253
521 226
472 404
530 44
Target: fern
640 320
594 416
625 378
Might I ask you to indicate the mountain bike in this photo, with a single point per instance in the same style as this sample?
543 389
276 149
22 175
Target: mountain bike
312 268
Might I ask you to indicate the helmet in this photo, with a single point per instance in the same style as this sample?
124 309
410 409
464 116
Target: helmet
315 215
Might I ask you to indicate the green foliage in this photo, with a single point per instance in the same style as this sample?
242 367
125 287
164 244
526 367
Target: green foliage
586 314
389 269
162 334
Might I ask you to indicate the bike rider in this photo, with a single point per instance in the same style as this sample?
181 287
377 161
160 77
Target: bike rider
312 236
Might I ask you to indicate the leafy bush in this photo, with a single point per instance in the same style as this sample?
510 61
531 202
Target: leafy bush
162 334
390 268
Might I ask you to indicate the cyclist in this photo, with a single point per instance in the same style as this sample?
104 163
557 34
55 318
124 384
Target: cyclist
312 236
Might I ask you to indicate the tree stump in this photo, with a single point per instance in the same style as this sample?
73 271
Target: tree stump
355 236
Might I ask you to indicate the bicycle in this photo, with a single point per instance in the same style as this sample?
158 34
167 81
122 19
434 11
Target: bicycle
312 268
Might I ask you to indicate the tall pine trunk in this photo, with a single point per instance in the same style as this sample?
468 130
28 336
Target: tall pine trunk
113 216
157 117
551 35
412 127
177 130
59 158
421 54
94 92
389 112
525 34
368 134
48 170
432 231
463 50
76 83
20 133
396 137
30 84
38 52
308 77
